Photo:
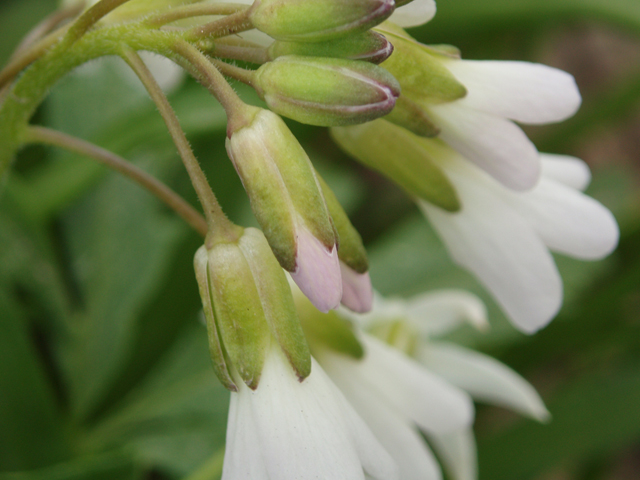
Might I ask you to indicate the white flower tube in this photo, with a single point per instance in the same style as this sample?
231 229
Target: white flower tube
287 430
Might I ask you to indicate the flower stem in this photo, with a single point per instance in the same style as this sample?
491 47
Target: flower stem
202 68
169 197
251 54
89 18
197 10
230 25
219 225
242 74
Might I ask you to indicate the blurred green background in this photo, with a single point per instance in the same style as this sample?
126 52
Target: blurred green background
104 369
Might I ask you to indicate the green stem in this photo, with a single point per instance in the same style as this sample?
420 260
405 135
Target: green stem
238 113
257 55
230 25
197 10
242 74
219 225
119 164
89 18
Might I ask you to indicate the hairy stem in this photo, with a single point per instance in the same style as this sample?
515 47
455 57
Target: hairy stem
89 18
230 25
197 10
169 197
217 221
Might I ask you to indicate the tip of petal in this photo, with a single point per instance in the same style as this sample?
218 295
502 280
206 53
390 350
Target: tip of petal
357 292
317 272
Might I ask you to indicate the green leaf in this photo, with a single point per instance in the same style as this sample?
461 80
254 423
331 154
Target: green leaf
598 413
109 466
31 433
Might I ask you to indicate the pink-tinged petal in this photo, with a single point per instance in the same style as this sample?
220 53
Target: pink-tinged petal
568 221
317 271
495 144
525 92
570 171
418 12
483 377
491 239
357 292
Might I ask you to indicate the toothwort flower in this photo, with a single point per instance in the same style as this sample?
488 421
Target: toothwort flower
287 430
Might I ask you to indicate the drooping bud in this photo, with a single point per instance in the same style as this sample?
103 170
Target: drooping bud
357 292
288 203
402 156
317 20
422 76
247 301
326 91
368 46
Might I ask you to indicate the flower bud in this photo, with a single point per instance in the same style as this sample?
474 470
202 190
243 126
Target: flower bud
317 20
288 203
402 156
368 46
247 301
357 292
326 91
422 77
413 117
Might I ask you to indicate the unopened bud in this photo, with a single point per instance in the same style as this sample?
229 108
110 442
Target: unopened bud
247 302
317 20
368 46
326 91
413 117
288 203
402 156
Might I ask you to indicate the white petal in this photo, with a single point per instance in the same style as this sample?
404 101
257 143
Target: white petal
568 221
357 292
416 13
458 453
483 377
438 312
429 401
397 435
495 144
570 171
524 92
317 271
493 241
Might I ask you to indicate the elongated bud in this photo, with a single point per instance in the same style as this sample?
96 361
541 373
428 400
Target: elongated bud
401 156
317 20
357 292
326 91
247 301
418 69
368 46
289 205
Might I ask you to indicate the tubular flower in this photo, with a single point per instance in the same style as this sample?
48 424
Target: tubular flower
287 430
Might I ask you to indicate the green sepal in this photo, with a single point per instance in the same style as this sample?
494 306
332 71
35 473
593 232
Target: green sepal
317 20
419 70
327 329
368 46
281 184
216 351
402 156
413 117
277 301
351 250
326 91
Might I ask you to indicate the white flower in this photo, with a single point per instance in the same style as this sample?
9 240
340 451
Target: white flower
393 393
480 125
504 237
396 396
287 430
417 12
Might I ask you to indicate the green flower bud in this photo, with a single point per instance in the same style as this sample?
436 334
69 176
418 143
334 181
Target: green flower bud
247 301
413 117
368 46
288 203
421 75
402 156
326 91
317 20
